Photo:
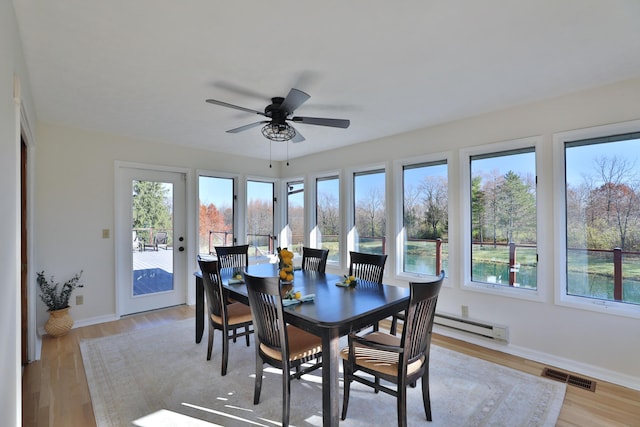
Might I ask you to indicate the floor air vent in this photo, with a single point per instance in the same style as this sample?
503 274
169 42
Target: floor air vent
573 380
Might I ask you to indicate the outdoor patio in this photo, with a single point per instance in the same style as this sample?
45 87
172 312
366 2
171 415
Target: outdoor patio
152 271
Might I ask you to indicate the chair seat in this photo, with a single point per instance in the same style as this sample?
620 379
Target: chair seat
237 313
302 345
385 362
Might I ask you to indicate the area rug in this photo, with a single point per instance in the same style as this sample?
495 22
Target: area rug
159 376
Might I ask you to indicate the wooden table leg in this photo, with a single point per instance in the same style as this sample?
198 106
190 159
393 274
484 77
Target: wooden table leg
199 309
330 383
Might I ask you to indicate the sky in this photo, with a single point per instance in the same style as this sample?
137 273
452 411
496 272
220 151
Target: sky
579 161
218 191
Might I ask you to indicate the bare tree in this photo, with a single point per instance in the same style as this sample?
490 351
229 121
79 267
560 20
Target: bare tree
259 220
412 211
577 230
615 204
328 213
433 194
370 213
612 171
490 189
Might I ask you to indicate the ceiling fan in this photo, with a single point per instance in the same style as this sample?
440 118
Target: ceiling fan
279 112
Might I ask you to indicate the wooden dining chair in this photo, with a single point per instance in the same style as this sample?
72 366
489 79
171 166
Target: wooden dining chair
395 319
314 259
400 360
369 267
233 256
225 317
284 346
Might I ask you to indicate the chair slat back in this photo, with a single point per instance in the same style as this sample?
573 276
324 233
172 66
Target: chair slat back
369 267
213 287
314 259
233 256
265 301
416 334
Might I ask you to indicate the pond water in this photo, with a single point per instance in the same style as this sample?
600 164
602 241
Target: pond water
580 284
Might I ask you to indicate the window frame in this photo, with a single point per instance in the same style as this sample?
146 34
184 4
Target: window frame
350 213
313 214
284 211
276 211
539 294
561 297
237 237
398 209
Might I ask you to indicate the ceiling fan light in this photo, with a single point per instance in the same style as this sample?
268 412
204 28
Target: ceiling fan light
278 132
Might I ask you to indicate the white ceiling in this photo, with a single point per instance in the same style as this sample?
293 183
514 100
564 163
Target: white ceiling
144 68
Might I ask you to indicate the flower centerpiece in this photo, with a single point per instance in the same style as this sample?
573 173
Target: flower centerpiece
237 274
285 258
57 302
291 294
350 280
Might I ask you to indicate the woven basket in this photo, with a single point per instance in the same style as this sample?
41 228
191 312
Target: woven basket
59 322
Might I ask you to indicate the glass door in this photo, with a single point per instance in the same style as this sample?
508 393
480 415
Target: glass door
153 205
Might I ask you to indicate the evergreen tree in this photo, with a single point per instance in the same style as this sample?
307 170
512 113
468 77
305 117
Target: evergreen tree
517 208
151 206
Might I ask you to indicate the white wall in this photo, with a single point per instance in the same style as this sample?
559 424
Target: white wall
11 67
600 345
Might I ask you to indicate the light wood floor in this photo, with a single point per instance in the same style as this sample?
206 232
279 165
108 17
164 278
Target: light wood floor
55 391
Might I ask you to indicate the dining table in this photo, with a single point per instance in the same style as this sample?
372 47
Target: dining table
334 311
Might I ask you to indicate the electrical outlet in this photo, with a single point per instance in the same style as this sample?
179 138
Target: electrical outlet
105 233
465 311
79 299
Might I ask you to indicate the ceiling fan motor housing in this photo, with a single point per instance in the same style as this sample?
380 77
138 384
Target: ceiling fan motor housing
275 111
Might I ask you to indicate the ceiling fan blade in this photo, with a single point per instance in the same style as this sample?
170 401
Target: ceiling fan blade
336 123
298 137
245 127
294 99
226 104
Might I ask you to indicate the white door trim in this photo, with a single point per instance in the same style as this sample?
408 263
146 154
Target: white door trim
123 231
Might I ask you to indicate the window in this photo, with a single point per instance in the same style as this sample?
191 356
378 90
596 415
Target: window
369 212
327 233
425 218
215 213
503 218
295 217
602 213
260 220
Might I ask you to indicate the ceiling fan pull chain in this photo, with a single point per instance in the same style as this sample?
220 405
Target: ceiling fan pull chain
270 154
287 153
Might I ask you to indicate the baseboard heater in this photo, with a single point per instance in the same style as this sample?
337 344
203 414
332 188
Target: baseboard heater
475 327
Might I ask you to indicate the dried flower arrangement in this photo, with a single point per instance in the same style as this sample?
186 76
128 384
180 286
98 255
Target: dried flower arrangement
49 294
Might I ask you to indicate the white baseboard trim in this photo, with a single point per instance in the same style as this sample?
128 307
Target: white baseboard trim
545 358
95 320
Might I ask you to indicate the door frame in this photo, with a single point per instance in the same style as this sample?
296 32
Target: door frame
122 230
28 306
